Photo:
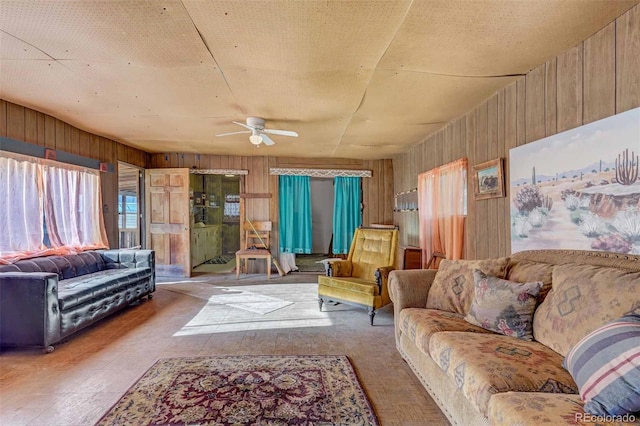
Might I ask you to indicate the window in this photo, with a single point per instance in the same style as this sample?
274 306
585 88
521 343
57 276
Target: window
442 207
54 208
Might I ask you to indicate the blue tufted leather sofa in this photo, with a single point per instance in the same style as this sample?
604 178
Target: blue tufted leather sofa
45 299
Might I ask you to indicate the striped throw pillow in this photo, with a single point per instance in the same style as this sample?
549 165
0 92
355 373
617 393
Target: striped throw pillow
605 365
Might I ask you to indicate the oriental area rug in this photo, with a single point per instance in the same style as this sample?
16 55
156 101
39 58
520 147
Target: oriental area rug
245 390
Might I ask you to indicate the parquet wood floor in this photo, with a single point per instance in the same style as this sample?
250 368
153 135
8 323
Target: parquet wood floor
208 315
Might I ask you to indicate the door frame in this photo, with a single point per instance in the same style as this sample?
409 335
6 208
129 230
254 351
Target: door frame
140 220
241 173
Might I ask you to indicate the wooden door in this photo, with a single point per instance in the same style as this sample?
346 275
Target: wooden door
168 224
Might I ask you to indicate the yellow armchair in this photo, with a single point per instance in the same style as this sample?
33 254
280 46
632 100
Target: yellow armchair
361 279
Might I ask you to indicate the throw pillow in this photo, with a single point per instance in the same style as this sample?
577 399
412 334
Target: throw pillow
452 289
521 271
503 306
605 365
582 299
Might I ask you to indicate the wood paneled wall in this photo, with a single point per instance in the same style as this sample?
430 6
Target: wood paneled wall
377 190
596 79
27 125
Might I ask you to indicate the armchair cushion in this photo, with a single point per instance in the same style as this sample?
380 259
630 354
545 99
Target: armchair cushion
349 284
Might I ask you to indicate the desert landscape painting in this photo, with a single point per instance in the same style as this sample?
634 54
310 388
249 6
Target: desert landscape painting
579 189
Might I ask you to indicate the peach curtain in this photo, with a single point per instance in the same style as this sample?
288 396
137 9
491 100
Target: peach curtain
442 209
67 197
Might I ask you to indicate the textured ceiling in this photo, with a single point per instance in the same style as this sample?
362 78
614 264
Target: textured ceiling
356 79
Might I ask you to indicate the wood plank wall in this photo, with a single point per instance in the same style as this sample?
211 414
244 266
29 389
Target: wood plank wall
377 190
27 125
596 79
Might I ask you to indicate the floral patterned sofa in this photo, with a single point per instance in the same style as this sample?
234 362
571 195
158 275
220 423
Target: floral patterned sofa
475 369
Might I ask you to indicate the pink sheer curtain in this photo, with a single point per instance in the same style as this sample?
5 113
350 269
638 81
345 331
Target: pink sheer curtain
442 210
68 197
21 216
73 208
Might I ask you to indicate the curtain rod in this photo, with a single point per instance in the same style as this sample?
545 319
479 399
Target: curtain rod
25 148
325 173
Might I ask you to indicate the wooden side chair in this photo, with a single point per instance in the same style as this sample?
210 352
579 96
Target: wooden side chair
255 244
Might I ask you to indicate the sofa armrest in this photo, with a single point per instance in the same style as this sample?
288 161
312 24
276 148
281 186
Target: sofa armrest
339 268
29 310
409 289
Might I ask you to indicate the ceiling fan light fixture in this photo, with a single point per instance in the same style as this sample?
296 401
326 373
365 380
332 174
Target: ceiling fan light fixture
255 139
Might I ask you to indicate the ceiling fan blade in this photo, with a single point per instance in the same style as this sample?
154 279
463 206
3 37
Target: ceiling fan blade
267 140
281 132
243 125
234 133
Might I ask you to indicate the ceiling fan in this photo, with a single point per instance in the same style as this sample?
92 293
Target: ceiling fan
259 134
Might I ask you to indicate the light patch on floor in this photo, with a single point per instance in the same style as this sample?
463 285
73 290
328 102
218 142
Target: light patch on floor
248 301
252 307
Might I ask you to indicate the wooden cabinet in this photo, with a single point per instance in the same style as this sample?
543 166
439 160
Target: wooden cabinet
205 244
410 257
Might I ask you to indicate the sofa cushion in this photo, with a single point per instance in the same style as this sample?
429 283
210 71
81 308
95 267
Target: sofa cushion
485 364
528 408
452 289
522 271
583 298
606 366
420 324
87 262
81 289
350 284
55 264
503 306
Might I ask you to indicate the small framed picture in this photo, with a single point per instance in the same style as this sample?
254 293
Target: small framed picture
488 180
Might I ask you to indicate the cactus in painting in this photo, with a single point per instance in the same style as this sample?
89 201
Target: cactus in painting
533 176
547 202
627 169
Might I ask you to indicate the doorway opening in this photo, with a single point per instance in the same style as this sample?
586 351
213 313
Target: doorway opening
321 228
215 222
129 206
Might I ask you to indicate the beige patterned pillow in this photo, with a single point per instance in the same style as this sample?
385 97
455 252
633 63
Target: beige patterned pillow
453 289
527 271
583 298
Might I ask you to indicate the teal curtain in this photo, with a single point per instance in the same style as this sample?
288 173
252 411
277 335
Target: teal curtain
295 214
346 212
